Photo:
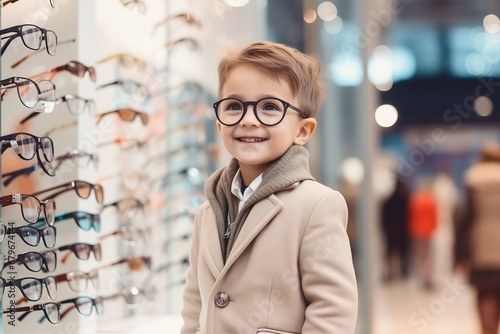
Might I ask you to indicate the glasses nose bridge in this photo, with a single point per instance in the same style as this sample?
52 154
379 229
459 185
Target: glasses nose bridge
246 104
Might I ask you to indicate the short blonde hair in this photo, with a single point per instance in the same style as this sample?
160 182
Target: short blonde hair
302 72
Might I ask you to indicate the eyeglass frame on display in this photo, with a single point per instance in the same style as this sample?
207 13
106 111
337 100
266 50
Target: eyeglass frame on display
29 55
95 220
37 307
95 248
73 185
40 234
17 283
11 199
18 30
73 66
21 259
121 112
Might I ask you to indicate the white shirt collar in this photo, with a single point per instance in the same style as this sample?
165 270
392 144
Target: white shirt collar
236 188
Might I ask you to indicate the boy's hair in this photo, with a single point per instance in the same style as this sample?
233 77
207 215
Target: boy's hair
302 72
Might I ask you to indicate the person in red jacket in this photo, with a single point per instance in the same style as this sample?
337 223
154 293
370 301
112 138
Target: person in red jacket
422 222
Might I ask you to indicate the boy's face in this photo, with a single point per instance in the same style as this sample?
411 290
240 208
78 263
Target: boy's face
253 144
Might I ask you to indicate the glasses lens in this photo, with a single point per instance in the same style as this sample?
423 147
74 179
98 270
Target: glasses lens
30 235
77 281
51 285
47 95
127 114
26 145
99 305
94 278
51 42
32 261
28 93
31 288
47 147
52 312
31 36
84 305
83 220
97 252
30 207
50 212
99 193
76 105
270 111
50 261
144 118
83 189
3 231
97 223
82 251
49 236
229 111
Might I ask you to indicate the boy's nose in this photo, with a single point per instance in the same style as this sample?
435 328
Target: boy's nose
250 119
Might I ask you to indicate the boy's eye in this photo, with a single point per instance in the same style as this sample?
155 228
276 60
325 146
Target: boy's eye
234 106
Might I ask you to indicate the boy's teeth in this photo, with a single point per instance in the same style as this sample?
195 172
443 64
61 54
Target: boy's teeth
251 140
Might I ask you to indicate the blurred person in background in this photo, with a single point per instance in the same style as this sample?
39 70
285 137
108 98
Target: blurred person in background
478 235
422 220
395 230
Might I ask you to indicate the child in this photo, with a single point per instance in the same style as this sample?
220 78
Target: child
270 252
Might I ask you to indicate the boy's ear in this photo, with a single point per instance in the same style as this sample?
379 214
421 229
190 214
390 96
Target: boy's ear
306 129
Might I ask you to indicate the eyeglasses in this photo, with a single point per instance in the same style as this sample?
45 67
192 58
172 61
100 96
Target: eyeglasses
33 53
126 143
74 67
74 159
82 251
268 111
31 287
27 145
126 114
51 311
137 91
34 261
31 207
125 60
131 234
13 1
77 158
78 280
83 305
137 5
27 90
31 236
84 220
186 17
32 37
135 263
128 206
82 188
76 105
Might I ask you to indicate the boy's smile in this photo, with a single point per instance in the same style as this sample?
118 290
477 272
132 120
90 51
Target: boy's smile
253 144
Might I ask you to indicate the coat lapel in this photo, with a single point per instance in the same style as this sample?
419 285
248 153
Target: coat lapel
260 215
211 248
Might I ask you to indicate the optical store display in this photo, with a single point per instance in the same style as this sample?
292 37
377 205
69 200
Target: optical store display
104 149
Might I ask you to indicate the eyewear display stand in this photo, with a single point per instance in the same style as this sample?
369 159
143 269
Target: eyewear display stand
123 96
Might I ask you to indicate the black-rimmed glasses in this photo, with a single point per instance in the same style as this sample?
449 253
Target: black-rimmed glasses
31 207
84 220
32 287
268 111
51 311
83 305
35 261
33 53
39 96
32 37
27 145
31 236
82 188
82 251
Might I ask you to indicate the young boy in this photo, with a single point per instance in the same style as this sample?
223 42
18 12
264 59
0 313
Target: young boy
270 252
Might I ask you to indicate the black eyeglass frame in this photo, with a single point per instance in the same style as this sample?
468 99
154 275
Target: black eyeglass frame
245 104
18 29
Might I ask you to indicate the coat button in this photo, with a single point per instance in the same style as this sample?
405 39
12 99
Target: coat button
221 299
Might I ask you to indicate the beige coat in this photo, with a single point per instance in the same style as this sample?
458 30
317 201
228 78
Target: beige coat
289 271
483 183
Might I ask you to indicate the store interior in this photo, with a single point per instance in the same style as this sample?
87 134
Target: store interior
114 106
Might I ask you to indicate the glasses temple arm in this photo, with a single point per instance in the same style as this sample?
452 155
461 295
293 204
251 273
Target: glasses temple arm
13 175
